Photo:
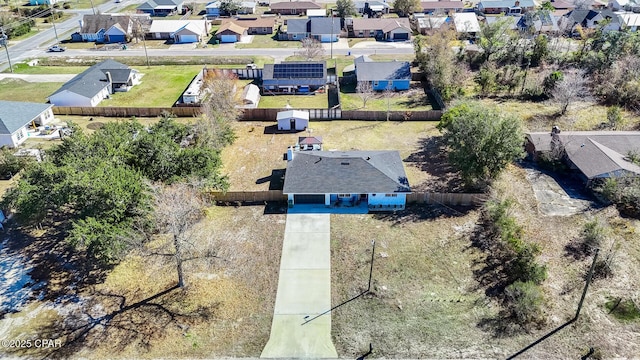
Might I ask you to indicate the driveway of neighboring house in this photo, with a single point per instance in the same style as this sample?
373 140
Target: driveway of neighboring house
304 291
554 199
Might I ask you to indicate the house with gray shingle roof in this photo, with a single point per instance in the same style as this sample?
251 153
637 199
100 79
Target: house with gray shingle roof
96 83
161 7
322 29
592 154
346 178
16 117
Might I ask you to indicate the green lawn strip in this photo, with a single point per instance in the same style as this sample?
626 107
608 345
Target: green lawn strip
20 90
319 101
161 86
353 41
397 102
85 4
267 41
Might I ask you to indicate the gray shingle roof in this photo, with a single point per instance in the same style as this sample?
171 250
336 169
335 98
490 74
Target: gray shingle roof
324 25
286 5
91 81
16 114
298 26
594 153
357 172
387 70
152 4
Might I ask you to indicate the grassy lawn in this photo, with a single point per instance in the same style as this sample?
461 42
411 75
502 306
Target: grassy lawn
267 41
85 4
20 90
427 303
226 309
413 99
255 154
318 101
353 41
160 86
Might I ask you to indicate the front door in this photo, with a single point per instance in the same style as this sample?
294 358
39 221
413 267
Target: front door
293 124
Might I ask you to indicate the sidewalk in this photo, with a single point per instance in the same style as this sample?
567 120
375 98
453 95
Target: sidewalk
39 77
304 291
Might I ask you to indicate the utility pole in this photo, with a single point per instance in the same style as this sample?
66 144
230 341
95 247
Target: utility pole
3 42
144 42
53 21
332 20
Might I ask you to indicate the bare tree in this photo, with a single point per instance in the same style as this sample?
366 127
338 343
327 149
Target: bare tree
219 109
572 87
311 49
177 208
365 91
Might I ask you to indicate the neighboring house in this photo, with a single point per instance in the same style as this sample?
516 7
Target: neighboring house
511 20
631 21
383 75
592 154
627 5
161 7
429 24
180 31
466 24
294 77
590 19
111 28
292 120
541 21
42 2
255 26
372 8
293 7
507 7
246 7
441 7
16 117
96 83
322 29
346 178
382 29
310 143
230 32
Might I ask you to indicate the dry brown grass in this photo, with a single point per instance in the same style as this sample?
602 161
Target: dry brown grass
424 266
255 153
225 310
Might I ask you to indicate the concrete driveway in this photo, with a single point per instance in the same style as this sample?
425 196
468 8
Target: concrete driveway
553 199
304 291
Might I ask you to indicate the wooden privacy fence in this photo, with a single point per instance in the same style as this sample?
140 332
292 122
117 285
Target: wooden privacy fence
125 111
418 198
248 196
427 115
270 114
446 198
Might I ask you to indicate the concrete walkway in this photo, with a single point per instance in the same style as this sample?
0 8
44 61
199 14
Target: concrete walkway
304 289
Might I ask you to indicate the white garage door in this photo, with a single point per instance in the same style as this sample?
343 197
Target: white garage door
228 38
188 38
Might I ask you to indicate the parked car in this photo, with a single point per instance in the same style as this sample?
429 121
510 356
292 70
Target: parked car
56 48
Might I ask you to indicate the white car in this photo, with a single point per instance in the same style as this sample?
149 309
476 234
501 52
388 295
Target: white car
56 48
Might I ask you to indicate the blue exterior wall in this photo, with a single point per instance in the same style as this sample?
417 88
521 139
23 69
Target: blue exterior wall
396 85
213 11
383 199
116 39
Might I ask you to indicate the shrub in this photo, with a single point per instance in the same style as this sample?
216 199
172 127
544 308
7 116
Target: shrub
525 301
614 116
592 236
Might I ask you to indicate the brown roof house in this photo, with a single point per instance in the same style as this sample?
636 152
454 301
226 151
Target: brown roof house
293 7
255 26
382 29
230 32
592 154
110 28
441 7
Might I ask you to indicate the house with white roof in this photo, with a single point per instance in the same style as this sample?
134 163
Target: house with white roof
180 31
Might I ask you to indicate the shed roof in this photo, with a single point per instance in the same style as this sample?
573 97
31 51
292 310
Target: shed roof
171 26
16 114
357 172
251 94
310 140
288 114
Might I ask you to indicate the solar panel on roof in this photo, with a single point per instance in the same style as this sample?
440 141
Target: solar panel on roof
298 71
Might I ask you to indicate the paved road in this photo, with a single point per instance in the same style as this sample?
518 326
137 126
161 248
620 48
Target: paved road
304 290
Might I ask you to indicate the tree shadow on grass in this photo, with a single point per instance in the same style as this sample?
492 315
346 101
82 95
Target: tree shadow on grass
422 212
56 269
107 318
431 158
